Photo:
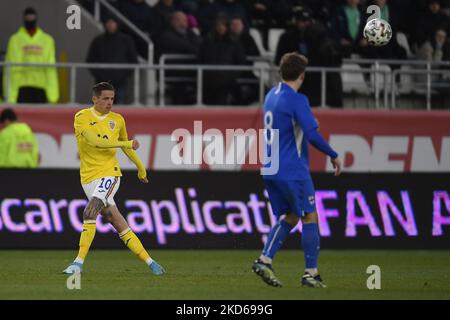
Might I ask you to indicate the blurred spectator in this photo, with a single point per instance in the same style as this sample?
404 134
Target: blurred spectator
266 14
113 47
141 15
282 13
193 23
396 12
206 14
429 22
179 39
18 145
347 27
246 92
210 10
325 52
240 34
30 44
437 49
446 8
322 9
312 40
258 12
391 51
388 12
231 8
219 49
163 11
296 39
190 8
260 17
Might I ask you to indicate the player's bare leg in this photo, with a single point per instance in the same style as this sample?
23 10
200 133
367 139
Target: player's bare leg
113 216
90 214
311 248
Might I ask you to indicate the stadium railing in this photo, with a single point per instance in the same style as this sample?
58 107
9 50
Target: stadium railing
383 79
408 69
267 76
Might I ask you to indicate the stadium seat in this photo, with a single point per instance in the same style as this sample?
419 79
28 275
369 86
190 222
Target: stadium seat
266 76
381 78
406 84
274 37
256 35
402 40
353 82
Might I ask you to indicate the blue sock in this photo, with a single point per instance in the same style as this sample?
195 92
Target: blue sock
276 238
311 244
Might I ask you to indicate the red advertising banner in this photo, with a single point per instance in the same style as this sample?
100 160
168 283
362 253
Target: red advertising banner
367 141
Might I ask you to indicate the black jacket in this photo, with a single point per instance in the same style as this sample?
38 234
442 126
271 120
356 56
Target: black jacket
215 50
248 44
321 50
220 51
112 48
293 40
162 15
171 41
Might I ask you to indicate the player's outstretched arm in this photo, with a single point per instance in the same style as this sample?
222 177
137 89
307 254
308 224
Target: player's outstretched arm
92 138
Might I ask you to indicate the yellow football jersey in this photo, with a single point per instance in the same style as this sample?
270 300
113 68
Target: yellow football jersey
96 163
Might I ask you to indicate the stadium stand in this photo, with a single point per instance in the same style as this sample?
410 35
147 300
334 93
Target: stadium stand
148 23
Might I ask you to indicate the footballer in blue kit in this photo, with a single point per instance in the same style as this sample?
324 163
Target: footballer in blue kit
288 117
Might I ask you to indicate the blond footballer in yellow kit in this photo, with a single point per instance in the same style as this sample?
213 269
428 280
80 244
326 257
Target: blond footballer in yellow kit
99 132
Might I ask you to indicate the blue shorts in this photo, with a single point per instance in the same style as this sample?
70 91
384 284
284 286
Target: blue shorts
295 196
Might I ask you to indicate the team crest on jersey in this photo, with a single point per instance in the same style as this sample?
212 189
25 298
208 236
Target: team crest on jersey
112 124
311 200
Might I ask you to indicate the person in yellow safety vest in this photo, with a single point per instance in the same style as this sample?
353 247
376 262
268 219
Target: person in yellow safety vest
18 145
30 44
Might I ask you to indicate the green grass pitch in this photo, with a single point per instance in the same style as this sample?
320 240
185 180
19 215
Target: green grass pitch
223 274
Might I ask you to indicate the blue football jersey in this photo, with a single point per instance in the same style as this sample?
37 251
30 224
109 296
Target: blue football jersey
288 115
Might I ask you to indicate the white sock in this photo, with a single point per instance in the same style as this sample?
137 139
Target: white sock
311 271
149 261
265 259
78 260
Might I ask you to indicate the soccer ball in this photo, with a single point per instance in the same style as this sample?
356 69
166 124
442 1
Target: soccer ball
378 32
